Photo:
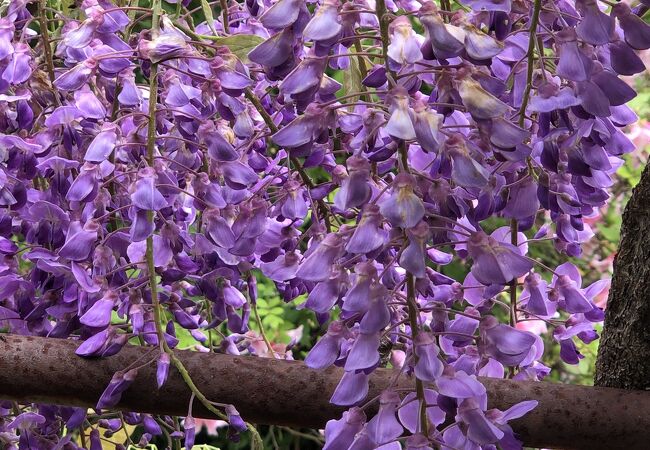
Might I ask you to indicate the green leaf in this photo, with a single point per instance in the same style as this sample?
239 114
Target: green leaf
207 12
240 44
352 79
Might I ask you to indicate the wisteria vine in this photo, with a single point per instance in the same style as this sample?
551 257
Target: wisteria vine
154 169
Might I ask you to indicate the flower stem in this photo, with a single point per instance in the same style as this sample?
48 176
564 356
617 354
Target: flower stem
413 319
380 9
224 15
532 40
47 48
258 319
149 254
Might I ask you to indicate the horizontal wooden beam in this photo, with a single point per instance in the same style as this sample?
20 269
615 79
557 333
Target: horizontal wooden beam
268 391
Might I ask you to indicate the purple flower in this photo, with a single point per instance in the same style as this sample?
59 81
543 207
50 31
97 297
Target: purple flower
339 434
495 262
355 190
507 345
315 267
327 349
364 352
409 410
99 314
163 47
479 428
399 124
325 25
479 102
428 366
118 384
76 77
385 427
596 27
404 47
403 208
102 145
146 195
368 235
445 39
162 369
352 388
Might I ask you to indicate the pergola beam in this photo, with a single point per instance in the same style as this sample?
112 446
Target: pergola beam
269 391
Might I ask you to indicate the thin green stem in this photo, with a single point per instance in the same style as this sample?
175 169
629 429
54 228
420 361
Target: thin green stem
383 18
250 95
224 16
258 319
413 321
47 48
532 40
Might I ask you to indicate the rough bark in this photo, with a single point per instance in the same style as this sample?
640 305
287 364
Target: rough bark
279 392
624 352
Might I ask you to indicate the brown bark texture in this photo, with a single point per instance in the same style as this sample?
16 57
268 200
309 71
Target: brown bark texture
624 351
268 391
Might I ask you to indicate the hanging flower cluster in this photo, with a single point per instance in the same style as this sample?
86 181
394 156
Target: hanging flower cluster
153 169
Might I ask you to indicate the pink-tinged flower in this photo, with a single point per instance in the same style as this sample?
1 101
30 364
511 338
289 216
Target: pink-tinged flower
404 45
163 47
399 124
537 327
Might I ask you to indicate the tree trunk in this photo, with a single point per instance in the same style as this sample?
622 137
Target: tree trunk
624 352
272 391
